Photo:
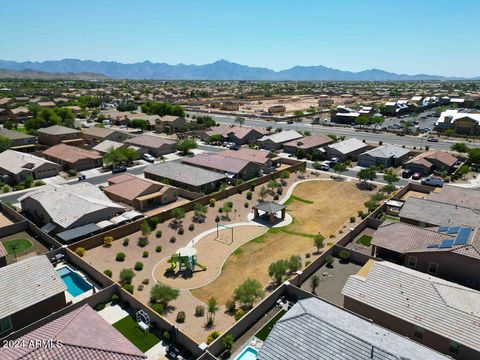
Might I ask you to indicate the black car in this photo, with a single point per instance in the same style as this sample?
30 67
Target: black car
119 169
407 173
436 182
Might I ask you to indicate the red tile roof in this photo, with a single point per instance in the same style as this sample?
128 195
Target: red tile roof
71 154
309 142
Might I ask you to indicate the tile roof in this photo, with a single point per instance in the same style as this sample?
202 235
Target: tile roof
150 141
440 214
314 329
348 146
98 131
71 154
83 335
105 145
130 187
310 141
257 156
16 162
14 135
58 130
439 306
440 156
67 204
26 283
184 173
455 195
387 151
282 137
217 162
269 207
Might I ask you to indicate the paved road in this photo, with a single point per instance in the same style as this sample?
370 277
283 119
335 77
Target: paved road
409 141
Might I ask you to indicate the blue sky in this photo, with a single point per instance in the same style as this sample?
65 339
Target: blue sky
405 36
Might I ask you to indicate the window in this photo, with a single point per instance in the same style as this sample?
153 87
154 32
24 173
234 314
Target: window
412 262
454 347
433 268
5 324
419 332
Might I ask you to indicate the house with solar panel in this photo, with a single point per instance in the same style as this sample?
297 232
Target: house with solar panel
449 252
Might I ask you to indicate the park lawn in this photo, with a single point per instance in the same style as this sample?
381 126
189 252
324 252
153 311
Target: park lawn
23 245
365 240
263 333
130 329
333 204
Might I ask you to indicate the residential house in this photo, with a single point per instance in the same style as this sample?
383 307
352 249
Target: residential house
461 122
344 115
454 195
186 177
5 114
95 135
169 124
239 135
73 158
31 289
346 149
386 155
82 333
277 110
265 159
434 312
341 333
141 194
430 161
231 167
397 108
308 144
19 141
276 141
57 134
451 252
68 206
20 114
16 166
106 145
153 145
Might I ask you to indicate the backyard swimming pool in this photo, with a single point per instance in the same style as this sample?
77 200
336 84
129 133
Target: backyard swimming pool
76 284
249 353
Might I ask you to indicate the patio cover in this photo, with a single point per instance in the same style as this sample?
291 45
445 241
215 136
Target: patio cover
132 215
77 232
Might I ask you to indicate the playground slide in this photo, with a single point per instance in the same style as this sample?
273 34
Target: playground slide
203 267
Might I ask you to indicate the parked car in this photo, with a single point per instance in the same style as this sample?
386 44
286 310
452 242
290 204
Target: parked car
234 147
325 165
407 173
432 139
289 121
149 158
417 176
334 161
433 181
119 169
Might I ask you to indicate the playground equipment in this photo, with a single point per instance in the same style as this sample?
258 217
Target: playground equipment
143 320
186 260
220 227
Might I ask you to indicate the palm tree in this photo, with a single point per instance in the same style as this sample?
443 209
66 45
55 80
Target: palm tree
314 282
212 306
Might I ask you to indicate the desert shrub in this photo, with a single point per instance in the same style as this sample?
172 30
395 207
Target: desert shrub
140 287
239 313
173 239
153 222
307 263
120 256
126 276
80 251
108 273
158 234
142 242
181 317
100 307
126 241
145 254
352 219
180 231
329 260
199 311
158 308
72 172
252 187
114 298
217 219
191 227
128 287
166 335
307 255
108 241
220 210
249 195
246 205
212 202
145 281
230 305
138 266
275 197
158 249
212 335
344 255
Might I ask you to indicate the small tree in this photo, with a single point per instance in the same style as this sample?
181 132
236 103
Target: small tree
178 214
460 147
329 260
314 283
80 251
278 270
163 294
212 307
239 120
145 229
227 208
295 263
126 276
248 292
186 145
285 174
318 242
227 342
107 241
263 193
344 255
339 168
366 175
390 177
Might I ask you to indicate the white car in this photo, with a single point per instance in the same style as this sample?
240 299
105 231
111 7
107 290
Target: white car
149 158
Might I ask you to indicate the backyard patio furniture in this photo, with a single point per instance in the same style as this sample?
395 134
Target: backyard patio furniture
143 320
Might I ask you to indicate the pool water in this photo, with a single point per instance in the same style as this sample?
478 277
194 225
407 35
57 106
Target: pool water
76 285
249 353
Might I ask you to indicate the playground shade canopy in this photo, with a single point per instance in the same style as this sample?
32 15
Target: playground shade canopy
269 207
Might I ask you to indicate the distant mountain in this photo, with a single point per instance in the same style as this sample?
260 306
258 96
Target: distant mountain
42 75
219 70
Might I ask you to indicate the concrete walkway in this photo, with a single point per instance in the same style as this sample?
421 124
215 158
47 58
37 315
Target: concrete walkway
113 313
157 352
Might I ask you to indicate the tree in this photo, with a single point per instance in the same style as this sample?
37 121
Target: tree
162 108
367 174
145 229
314 283
139 124
186 145
318 241
277 270
107 241
272 184
9 124
300 154
4 143
239 120
460 147
227 208
178 214
126 276
227 342
248 292
339 168
163 294
295 263
263 193
200 210
285 174
215 139
212 307
390 177
474 156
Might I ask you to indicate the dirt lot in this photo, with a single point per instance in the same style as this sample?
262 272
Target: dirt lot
333 203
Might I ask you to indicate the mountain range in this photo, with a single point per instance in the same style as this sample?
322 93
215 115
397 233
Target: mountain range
218 70
43 75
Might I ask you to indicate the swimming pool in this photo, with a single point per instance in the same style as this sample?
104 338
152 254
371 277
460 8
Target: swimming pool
76 285
249 353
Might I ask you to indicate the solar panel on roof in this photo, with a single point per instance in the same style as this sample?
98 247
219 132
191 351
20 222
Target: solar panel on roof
431 246
443 229
446 244
462 236
453 230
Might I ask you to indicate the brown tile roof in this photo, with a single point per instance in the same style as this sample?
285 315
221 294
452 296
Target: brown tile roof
256 156
309 142
82 333
58 130
455 195
440 156
237 131
98 131
217 162
131 187
149 141
71 154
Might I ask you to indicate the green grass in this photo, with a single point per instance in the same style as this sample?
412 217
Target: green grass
263 333
293 198
130 329
365 240
390 217
23 245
